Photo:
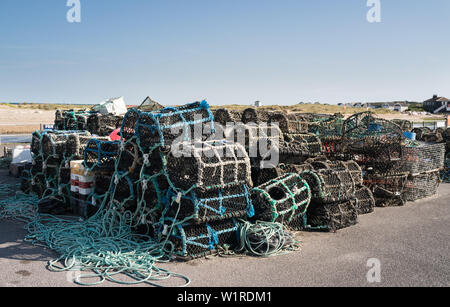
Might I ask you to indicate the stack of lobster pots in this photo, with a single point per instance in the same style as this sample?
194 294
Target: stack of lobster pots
52 154
395 168
302 189
185 176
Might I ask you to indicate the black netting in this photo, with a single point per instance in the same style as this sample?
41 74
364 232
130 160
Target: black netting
193 241
387 189
332 217
225 116
421 186
103 125
128 129
330 185
54 143
76 145
421 131
364 201
131 159
208 165
404 124
255 116
170 125
101 154
212 205
283 200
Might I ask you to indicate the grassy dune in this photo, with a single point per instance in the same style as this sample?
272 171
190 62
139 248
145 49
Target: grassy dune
46 107
311 108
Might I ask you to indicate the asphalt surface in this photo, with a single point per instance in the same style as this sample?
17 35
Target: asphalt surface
411 244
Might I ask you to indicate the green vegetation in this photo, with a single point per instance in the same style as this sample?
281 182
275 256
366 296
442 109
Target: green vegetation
46 106
416 107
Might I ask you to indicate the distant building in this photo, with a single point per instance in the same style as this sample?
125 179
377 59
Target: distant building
258 104
401 107
437 105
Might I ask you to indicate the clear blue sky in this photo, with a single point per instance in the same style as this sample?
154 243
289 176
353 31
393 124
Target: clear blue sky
225 51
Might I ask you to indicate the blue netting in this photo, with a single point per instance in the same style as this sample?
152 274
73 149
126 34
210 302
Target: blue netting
205 206
193 241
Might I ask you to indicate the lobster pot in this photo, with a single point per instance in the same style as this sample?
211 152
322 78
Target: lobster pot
262 175
364 201
192 121
102 182
194 241
364 125
36 166
76 144
421 186
332 146
355 171
423 158
130 159
128 129
387 189
435 137
124 193
331 217
260 140
81 121
36 142
152 194
326 127
310 142
330 185
59 115
59 120
103 125
38 184
351 166
405 125
70 121
420 132
54 144
297 148
283 200
101 154
59 124
255 116
51 170
202 206
209 165
225 116
64 176
383 158
288 123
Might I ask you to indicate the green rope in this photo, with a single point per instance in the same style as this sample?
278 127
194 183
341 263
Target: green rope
256 238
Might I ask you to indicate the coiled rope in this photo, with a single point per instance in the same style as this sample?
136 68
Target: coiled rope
266 239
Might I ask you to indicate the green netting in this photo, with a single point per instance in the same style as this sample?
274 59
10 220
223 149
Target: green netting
283 200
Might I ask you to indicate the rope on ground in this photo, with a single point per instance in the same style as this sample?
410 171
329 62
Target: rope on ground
100 248
17 206
266 239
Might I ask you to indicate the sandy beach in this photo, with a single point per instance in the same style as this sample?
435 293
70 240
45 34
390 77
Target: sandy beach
17 121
